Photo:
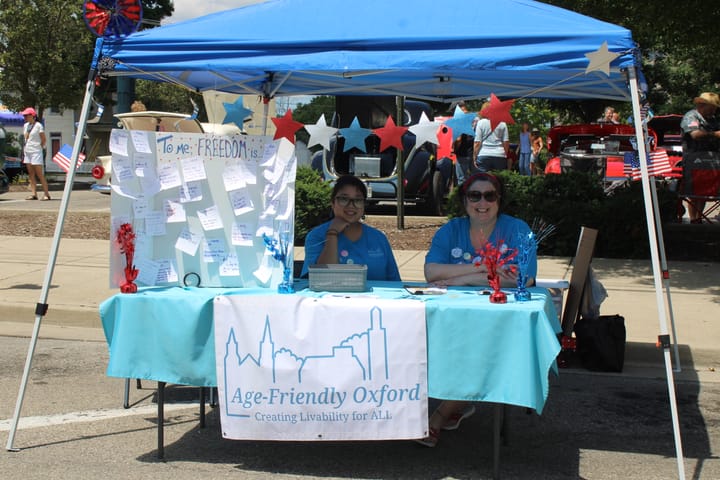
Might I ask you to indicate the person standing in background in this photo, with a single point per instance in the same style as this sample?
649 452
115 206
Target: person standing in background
491 147
700 133
33 152
536 146
524 150
463 149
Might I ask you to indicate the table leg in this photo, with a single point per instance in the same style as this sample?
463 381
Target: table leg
202 407
161 419
498 421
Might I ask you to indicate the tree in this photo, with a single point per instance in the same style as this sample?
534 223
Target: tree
46 49
680 53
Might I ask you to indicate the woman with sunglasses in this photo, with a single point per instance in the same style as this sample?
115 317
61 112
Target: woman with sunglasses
452 258
346 239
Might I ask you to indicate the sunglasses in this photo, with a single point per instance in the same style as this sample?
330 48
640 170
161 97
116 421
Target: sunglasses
475 196
356 202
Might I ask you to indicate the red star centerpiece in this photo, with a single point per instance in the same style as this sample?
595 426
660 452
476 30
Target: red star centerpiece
390 135
498 111
286 127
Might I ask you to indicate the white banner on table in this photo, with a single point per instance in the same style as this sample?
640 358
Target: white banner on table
335 368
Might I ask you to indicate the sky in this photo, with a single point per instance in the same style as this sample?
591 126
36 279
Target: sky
187 9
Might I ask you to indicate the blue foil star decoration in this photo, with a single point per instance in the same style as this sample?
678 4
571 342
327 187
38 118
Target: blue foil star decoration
461 122
355 136
236 113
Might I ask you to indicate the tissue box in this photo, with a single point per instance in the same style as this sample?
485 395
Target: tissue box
338 278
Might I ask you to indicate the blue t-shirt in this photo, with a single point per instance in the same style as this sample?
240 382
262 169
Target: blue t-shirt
371 249
451 244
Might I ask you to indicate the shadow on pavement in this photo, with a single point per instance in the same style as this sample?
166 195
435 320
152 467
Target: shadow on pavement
585 412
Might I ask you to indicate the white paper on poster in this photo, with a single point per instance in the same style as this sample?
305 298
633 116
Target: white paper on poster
193 169
167 273
140 206
147 271
362 378
169 176
143 164
242 234
265 226
191 192
233 178
140 141
241 202
126 191
150 184
263 273
269 154
174 211
188 242
249 172
155 223
119 142
210 218
214 250
122 170
230 267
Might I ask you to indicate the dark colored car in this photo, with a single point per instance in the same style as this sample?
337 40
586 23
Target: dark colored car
425 178
4 182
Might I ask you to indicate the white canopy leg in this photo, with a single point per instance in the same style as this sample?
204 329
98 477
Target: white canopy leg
652 234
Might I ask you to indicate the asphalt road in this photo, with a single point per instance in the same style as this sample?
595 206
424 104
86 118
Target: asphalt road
594 426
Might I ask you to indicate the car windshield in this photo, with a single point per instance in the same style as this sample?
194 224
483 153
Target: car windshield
593 144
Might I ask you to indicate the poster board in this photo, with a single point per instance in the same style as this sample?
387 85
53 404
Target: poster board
583 257
199 205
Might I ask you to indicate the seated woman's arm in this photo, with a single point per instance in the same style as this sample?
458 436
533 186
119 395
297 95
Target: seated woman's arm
455 274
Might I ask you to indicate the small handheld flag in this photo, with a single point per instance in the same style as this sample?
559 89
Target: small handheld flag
62 158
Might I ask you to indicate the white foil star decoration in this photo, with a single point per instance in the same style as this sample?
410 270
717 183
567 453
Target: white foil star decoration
320 133
425 131
600 59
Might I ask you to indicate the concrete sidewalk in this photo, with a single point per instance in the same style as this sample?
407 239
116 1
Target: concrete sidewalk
80 283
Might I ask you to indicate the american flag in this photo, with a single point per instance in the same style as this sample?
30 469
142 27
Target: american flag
658 164
62 158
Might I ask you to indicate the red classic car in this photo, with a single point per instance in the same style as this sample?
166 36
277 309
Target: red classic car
596 147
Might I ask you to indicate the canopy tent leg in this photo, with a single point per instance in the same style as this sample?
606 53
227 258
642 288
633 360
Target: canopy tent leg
653 239
41 307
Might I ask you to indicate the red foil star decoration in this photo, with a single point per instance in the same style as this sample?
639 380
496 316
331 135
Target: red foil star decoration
494 258
126 240
498 111
390 135
286 127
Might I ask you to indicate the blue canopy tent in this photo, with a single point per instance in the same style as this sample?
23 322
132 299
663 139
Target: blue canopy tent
10 119
441 51
450 50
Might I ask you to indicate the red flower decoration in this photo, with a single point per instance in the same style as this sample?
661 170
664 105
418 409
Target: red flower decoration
126 239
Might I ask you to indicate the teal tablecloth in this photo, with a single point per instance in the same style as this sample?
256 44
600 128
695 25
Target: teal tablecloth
476 350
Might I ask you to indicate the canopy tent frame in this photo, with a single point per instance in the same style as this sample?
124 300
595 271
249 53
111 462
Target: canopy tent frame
555 68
